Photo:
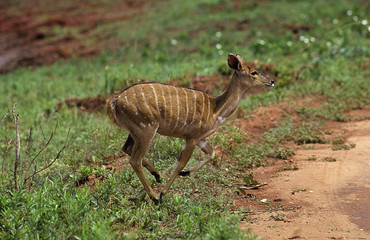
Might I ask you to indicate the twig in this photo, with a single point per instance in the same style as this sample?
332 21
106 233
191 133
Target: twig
43 148
52 162
42 131
18 146
3 119
27 152
4 159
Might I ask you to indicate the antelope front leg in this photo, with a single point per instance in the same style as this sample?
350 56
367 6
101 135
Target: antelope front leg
183 160
207 149
152 170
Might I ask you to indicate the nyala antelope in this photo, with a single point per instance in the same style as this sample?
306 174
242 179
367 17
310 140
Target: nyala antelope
145 109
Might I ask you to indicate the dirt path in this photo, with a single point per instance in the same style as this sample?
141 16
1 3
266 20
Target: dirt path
322 199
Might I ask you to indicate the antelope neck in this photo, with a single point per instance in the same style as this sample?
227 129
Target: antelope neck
230 99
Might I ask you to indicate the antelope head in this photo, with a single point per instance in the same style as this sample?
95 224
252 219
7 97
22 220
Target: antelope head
249 76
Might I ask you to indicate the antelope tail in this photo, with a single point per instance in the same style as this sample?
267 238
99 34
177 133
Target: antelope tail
111 109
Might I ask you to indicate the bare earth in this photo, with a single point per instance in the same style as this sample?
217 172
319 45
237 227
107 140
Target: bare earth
320 200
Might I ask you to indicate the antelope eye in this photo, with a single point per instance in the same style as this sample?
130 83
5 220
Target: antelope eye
254 73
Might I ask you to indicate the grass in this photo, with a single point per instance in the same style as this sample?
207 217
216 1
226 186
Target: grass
177 39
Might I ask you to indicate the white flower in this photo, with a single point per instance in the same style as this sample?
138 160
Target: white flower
218 34
364 22
289 43
220 52
173 41
349 12
328 44
218 46
355 18
335 21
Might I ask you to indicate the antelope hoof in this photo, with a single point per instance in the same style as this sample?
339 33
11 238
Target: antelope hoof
156 201
157 177
161 196
184 173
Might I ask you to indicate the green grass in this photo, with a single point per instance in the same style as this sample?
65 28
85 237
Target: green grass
330 60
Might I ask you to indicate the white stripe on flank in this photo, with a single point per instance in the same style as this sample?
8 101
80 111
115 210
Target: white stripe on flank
145 103
187 108
201 114
195 107
178 109
156 99
169 94
164 101
136 103
209 110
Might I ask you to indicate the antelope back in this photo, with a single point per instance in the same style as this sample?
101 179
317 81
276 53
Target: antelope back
177 111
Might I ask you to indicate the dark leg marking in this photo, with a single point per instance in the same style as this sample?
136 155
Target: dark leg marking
157 177
184 173
129 145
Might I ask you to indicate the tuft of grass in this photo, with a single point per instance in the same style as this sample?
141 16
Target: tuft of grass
312 158
329 159
308 133
290 167
281 153
339 143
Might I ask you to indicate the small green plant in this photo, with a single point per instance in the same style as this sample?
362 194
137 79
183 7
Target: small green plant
290 166
329 159
83 175
278 216
308 133
281 153
312 158
339 143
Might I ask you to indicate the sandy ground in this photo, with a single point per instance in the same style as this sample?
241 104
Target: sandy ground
320 200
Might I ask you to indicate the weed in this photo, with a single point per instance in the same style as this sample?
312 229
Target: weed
312 158
329 159
278 216
281 153
339 143
308 133
290 167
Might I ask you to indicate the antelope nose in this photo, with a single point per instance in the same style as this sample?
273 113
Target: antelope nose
272 82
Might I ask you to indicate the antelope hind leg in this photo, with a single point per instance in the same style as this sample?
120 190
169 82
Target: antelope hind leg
139 150
207 149
128 147
183 160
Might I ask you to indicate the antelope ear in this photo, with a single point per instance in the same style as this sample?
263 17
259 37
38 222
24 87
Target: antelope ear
235 62
240 58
